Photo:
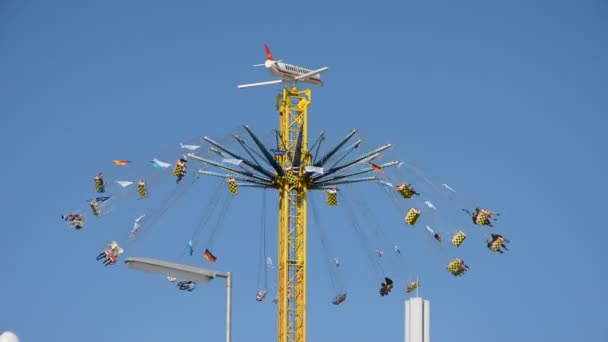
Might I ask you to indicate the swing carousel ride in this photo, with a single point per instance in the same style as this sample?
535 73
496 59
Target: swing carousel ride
283 161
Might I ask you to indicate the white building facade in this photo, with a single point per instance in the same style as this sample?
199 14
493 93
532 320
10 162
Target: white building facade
417 320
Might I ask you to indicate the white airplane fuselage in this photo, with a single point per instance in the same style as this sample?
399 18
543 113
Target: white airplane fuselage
289 72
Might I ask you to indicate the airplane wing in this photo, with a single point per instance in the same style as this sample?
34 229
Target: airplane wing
312 73
259 84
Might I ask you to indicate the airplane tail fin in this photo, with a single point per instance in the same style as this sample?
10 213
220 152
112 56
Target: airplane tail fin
268 53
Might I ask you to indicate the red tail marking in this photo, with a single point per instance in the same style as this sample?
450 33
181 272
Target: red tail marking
268 53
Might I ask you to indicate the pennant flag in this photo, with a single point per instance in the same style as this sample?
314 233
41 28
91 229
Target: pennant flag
448 187
232 161
278 152
190 248
102 199
376 167
430 205
159 164
136 226
189 147
389 184
121 162
209 256
124 184
435 235
138 220
314 169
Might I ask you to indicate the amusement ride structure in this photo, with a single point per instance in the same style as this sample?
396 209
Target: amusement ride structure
293 168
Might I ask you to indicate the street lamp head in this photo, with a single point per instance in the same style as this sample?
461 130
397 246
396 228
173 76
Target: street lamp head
184 272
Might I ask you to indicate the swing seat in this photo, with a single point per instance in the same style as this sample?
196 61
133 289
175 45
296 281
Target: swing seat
495 246
339 299
78 224
456 267
291 178
99 186
95 208
412 216
261 295
459 238
332 197
179 170
412 286
482 219
232 186
142 189
405 190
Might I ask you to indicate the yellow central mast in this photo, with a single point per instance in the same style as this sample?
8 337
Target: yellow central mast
292 105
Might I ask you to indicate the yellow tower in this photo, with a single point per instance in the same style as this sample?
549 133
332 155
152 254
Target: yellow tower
292 105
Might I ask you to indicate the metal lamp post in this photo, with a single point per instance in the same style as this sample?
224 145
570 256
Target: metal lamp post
186 272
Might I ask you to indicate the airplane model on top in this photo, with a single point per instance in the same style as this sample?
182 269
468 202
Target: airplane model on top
287 73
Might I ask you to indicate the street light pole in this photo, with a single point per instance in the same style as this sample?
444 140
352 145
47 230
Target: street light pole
228 277
187 272
228 306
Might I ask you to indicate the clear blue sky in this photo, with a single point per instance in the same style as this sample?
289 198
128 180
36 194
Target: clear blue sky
505 101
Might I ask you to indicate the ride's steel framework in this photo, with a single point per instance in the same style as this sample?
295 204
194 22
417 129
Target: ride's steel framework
293 119
294 171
